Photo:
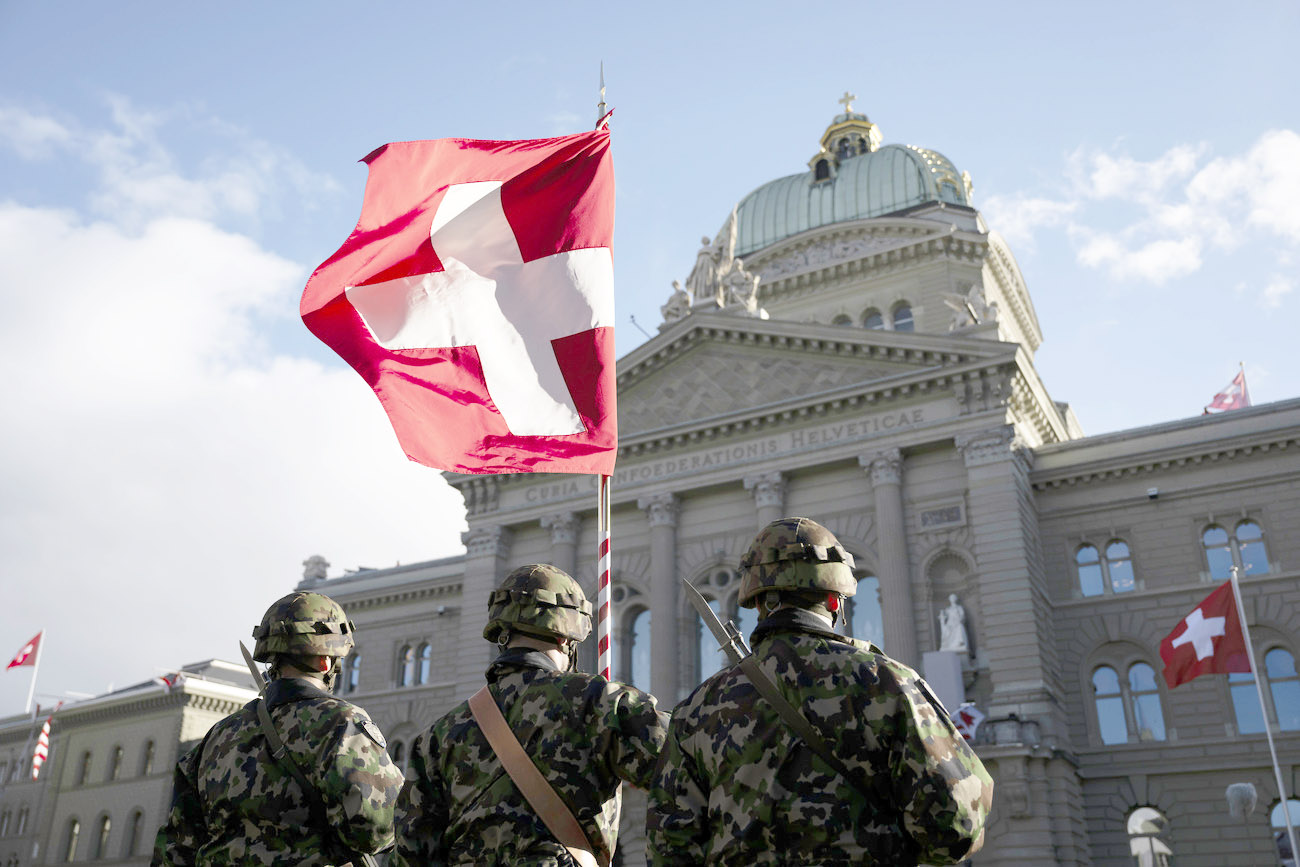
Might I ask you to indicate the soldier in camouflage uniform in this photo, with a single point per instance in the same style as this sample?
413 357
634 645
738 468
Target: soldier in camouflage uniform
737 787
233 803
583 732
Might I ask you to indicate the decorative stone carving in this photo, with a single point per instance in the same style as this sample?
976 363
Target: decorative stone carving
768 488
971 308
952 626
662 509
824 254
315 568
563 527
678 306
886 467
489 541
482 493
986 446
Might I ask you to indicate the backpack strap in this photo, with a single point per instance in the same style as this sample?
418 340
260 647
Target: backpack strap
539 794
315 806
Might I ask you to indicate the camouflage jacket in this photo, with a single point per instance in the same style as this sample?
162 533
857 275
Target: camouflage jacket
583 732
736 787
233 804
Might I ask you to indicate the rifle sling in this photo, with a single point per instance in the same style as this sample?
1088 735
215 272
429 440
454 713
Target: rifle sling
315 806
539 794
796 721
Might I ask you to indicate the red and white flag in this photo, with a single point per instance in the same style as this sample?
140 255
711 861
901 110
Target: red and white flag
170 681
476 297
42 751
1235 396
1206 641
967 720
27 655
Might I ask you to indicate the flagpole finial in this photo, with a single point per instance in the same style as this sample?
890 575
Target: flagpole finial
601 109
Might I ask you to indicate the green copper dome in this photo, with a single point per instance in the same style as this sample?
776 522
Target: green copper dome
849 179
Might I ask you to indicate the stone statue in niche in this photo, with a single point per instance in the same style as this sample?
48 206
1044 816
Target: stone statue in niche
952 627
972 308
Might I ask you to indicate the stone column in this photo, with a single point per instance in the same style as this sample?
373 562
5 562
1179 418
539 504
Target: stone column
662 511
487 550
886 469
564 540
769 496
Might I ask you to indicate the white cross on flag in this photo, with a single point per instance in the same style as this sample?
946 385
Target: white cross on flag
1206 641
476 297
1234 396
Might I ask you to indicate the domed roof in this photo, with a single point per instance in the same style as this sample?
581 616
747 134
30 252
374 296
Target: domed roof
849 179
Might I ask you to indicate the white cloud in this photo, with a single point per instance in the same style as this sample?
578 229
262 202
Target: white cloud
1155 262
1099 175
1017 218
166 468
1277 289
32 136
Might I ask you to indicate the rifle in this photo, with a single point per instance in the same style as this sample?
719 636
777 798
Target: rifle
739 653
280 753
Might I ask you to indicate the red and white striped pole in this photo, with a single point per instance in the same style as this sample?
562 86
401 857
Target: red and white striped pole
604 601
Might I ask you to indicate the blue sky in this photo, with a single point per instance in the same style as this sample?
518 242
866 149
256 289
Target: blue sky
176 443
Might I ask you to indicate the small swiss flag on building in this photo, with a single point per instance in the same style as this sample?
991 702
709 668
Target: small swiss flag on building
1207 641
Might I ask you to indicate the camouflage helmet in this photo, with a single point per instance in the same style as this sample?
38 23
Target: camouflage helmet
795 554
539 600
303 624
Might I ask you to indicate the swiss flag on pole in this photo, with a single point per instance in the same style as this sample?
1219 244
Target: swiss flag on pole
1235 396
27 655
1206 641
476 297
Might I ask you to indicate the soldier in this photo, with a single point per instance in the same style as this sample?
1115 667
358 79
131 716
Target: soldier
736 786
235 802
581 731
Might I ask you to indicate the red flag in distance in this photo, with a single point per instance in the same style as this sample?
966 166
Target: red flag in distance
27 655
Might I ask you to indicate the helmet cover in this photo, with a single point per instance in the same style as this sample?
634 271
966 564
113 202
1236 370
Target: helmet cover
541 600
795 554
303 624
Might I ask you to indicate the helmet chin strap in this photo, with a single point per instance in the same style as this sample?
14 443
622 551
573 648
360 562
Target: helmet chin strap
331 677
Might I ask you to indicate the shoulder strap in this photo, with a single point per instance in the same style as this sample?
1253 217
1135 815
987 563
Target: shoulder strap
280 753
544 800
795 720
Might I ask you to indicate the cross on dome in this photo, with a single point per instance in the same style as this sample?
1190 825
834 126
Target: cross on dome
1200 633
847 101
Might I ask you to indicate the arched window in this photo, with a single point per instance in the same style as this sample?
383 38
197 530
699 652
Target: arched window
1146 827
1110 706
352 677
1148 717
864 617
637 654
84 776
146 761
4 823
114 764
101 840
1245 703
426 660
872 320
1128 710
22 821
1277 819
406 666
133 833
74 831
822 170
1243 548
903 318
1284 687
843 319
1088 564
1098 575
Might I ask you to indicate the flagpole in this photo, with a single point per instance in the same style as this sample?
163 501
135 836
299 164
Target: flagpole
604 599
1263 709
31 690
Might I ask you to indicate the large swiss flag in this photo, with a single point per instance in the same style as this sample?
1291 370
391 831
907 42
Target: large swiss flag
476 297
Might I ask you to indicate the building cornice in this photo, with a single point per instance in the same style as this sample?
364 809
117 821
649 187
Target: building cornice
395 595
